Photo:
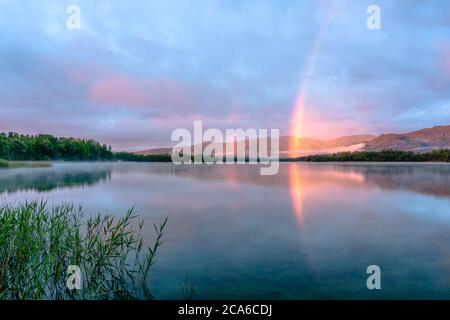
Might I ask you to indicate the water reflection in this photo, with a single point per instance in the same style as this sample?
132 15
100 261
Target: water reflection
308 232
295 187
426 178
48 179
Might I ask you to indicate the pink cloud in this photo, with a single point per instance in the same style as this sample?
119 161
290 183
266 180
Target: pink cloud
124 90
328 126
83 74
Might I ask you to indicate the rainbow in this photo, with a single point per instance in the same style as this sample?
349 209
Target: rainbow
296 128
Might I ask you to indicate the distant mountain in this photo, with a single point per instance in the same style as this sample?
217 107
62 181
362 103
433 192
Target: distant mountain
155 151
316 144
306 146
423 140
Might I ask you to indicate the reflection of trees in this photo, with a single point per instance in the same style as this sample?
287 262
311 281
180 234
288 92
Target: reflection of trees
47 180
427 178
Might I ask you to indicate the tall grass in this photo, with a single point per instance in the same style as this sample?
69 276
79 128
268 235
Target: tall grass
38 243
6 164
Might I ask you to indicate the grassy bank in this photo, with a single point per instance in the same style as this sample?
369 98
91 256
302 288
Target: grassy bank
5 164
38 243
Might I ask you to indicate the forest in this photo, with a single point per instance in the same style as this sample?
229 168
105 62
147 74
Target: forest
442 155
45 147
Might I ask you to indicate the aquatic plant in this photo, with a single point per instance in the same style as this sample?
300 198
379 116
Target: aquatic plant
38 243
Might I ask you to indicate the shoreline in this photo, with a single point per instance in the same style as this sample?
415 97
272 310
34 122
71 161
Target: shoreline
13 164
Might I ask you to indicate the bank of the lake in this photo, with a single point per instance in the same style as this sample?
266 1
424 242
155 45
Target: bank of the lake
6 164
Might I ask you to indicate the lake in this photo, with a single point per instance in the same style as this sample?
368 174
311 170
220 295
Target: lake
310 231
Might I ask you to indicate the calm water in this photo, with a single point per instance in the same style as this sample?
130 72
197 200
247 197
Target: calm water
308 232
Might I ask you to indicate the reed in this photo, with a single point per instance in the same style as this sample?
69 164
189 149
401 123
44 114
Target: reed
39 242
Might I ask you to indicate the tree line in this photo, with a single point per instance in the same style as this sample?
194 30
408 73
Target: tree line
442 155
14 146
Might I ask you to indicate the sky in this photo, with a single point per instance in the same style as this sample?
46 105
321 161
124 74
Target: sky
137 70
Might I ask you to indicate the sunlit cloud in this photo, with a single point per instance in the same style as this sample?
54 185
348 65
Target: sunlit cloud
303 67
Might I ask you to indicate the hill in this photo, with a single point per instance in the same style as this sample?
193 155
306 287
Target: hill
423 140
306 146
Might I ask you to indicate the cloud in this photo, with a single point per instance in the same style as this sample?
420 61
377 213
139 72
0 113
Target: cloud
136 71
122 90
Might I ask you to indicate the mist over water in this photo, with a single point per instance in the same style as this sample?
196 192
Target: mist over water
308 232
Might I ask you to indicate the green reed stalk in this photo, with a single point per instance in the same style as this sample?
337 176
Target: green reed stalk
38 243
